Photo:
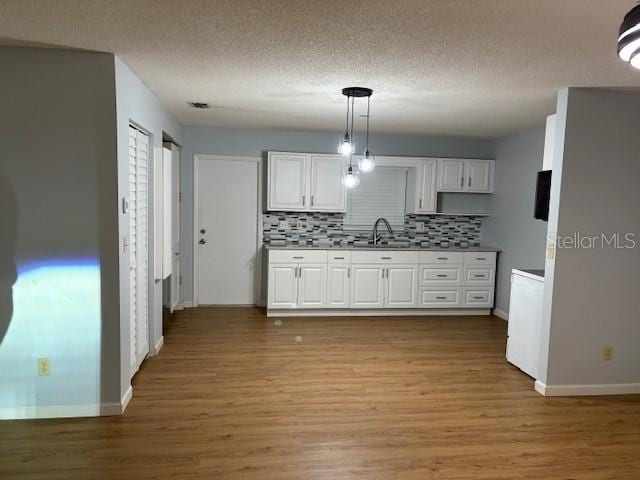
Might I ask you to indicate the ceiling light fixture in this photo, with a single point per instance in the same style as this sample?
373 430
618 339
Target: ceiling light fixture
629 38
347 147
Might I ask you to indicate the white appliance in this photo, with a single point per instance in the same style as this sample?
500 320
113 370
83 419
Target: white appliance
525 320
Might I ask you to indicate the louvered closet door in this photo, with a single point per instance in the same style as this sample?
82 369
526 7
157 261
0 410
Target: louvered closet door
138 245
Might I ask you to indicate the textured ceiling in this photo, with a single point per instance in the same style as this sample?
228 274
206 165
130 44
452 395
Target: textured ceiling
455 67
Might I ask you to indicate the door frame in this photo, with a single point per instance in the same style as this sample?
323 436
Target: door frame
197 158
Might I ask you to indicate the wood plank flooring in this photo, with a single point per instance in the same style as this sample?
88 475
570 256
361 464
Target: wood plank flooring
232 396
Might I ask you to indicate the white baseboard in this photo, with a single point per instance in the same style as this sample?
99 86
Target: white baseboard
67 411
501 313
158 346
407 312
584 390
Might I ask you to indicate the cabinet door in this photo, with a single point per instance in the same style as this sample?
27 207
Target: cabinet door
287 185
479 176
450 175
367 286
327 190
283 286
311 285
338 286
426 187
401 286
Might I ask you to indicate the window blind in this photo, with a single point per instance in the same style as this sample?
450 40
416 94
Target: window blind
381 193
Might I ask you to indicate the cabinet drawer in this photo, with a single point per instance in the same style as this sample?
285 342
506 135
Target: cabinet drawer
440 297
477 297
435 275
479 258
479 275
339 256
384 256
297 256
437 258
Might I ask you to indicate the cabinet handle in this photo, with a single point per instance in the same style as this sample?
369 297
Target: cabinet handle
441 298
481 275
348 272
481 258
385 258
420 203
442 276
304 200
298 258
312 200
443 258
383 273
478 298
300 270
461 182
469 182
338 258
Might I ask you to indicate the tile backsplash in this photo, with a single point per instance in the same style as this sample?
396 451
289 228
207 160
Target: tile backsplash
326 229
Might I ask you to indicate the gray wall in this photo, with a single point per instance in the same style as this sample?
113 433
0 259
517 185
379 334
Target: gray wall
241 142
512 228
592 294
58 229
135 103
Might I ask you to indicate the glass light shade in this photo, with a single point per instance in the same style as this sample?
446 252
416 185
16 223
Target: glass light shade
367 162
351 178
635 61
346 146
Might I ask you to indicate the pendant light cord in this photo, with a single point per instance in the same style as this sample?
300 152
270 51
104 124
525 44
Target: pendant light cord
368 111
352 139
347 130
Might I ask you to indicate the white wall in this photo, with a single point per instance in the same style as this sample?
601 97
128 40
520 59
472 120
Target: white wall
135 103
247 142
592 294
57 230
511 226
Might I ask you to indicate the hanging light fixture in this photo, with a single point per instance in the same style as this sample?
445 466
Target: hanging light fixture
367 163
346 147
629 38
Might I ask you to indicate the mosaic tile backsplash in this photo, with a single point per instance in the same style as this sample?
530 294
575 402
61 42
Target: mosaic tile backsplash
326 229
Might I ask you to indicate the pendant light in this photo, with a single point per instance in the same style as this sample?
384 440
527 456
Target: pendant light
629 38
367 162
346 147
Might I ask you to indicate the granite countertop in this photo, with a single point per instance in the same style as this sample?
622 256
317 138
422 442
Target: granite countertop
382 247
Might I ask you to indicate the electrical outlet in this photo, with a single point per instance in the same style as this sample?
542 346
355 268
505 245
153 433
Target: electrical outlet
283 225
607 353
44 367
299 225
419 226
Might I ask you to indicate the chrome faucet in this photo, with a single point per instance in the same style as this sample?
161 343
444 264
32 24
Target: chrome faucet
376 237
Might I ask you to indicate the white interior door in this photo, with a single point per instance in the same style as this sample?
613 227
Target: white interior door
176 276
138 246
226 257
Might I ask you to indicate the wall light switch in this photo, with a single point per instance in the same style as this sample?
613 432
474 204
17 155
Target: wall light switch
607 353
44 367
299 225
283 225
419 226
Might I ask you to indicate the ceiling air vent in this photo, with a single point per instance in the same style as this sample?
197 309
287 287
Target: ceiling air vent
199 105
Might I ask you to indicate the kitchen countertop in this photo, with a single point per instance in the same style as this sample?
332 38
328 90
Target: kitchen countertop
534 274
382 247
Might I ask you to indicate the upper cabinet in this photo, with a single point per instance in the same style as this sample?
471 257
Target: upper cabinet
461 175
421 186
305 182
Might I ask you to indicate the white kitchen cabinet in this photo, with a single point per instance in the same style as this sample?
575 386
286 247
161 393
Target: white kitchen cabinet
465 175
327 191
305 182
367 286
312 281
283 285
401 285
339 285
287 184
450 175
479 176
426 195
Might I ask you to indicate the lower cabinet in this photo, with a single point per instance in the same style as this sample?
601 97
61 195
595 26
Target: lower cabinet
339 286
380 286
316 279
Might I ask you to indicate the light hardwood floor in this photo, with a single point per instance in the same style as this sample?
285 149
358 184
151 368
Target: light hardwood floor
232 396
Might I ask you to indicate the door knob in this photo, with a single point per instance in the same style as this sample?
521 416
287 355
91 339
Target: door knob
202 241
